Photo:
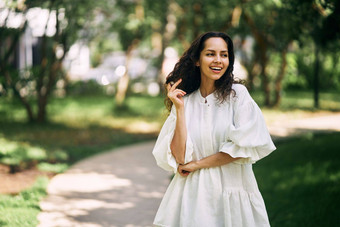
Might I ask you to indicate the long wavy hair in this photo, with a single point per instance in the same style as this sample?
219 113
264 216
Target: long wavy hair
190 74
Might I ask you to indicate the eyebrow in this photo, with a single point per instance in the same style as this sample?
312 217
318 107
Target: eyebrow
215 51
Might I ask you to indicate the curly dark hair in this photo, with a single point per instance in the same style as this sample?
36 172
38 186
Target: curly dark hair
190 74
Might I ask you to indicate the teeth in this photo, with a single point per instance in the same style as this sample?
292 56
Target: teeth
216 68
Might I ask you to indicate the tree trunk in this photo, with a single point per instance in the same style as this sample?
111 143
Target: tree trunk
8 80
24 102
316 76
123 82
251 76
46 90
42 103
251 66
167 29
252 70
278 82
197 15
262 43
264 76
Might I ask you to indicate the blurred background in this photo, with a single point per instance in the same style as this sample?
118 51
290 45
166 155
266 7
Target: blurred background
82 77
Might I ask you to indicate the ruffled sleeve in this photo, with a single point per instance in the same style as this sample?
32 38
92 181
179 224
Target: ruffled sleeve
248 138
162 151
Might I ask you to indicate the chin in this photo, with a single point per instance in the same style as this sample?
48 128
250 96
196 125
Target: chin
215 77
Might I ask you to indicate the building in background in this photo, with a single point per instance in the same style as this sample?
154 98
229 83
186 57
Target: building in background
40 22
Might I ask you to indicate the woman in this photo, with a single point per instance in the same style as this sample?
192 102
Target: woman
214 132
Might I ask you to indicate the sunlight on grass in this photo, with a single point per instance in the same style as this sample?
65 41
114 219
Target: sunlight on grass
144 114
303 100
18 210
15 153
277 115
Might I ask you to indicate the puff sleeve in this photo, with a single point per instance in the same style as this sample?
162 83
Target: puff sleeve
248 137
162 151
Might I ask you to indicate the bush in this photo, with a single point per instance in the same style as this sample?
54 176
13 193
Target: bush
21 155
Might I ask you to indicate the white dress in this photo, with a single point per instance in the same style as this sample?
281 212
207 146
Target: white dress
219 196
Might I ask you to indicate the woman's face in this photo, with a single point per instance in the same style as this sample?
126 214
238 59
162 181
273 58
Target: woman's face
214 60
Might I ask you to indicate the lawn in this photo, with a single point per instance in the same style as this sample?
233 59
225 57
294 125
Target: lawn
22 209
300 182
78 127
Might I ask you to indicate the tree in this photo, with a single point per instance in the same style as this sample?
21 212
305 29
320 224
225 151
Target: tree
130 26
271 39
319 20
163 25
38 82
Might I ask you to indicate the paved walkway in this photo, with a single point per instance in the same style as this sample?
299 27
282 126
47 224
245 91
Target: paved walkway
124 187
290 128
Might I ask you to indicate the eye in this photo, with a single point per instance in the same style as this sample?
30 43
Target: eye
225 55
210 54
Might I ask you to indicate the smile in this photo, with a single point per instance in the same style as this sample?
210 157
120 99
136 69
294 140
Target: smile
216 69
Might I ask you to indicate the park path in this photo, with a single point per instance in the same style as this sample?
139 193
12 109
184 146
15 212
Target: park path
123 187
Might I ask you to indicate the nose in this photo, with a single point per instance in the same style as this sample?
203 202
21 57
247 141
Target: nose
217 59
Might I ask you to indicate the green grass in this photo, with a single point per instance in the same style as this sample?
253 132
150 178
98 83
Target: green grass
300 181
78 127
21 210
303 100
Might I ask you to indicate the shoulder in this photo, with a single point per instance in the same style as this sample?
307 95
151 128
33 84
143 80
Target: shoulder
239 89
241 94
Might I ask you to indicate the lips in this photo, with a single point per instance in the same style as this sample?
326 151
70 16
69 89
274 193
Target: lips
216 69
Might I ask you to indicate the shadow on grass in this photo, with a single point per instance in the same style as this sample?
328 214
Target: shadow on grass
125 111
141 107
300 181
75 143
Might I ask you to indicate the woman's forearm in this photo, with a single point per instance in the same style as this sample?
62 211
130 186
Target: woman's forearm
178 142
214 160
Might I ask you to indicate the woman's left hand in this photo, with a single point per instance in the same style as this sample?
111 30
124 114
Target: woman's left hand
186 169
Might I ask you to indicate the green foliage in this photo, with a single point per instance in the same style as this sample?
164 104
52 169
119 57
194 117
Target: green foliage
300 181
53 167
20 155
22 209
130 23
329 70
295 79
89 87
74 21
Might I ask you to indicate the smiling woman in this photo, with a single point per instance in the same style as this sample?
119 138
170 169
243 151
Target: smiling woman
213 135
213 61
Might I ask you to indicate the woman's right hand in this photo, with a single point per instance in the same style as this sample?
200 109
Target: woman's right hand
176 95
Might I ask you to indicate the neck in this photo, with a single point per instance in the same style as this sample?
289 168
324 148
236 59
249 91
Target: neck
207 88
